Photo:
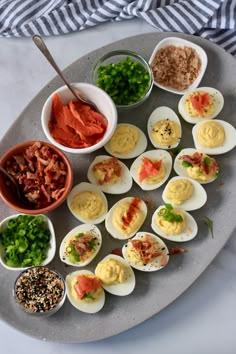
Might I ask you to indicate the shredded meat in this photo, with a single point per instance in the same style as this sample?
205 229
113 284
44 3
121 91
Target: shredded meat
40 173
176 67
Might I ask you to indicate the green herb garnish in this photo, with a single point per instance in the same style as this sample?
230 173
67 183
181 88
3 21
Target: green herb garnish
88 296
168 215
186 164
79 235
209 223
207 160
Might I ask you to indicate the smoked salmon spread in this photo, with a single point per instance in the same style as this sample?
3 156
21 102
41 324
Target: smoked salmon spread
76 125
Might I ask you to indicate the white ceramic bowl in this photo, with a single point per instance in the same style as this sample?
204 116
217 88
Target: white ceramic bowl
52 244
105 106
179 42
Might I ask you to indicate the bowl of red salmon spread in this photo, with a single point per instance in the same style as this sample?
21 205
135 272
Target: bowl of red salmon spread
75 127
41 171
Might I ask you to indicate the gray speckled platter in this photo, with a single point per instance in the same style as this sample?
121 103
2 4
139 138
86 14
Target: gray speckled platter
154 291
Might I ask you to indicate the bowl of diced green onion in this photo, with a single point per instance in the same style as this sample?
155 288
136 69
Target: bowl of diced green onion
125 76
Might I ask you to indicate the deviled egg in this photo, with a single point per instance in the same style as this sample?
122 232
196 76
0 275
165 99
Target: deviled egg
84 291
110 175
81 245
214 137
127 142
126 217
146 252
151 169
87 203
164 128
184 192
196 165
201 104
115 275
174 224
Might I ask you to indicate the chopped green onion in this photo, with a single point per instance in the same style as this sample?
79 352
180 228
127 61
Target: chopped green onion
168 215
186 164
209 223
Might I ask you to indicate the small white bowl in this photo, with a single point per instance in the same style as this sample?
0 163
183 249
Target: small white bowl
179 42
52 245
93 93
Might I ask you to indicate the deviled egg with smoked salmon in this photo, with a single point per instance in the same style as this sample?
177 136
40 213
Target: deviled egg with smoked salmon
174 224
81 245
84 291
146 252
126 217
110 175
201 104
127 142
164 128
151 169
115 275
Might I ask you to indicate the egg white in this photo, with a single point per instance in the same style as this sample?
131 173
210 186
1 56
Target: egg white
188 233
217 98
182 171
87 187
158 114
90 307
109 224
156 263
197 199
139 148
229 143
152 155
120 289
84 228
122 185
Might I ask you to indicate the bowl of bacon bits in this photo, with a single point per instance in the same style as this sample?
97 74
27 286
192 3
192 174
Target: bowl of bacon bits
75 127
39 291
178 65
42 173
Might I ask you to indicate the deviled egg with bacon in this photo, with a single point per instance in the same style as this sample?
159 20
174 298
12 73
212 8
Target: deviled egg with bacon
127 142
115 275
200 104
174 224
164 128
196 165
126 217
110 175
146 252
84 291
151 169
81 245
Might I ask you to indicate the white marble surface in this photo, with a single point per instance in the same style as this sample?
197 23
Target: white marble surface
203 319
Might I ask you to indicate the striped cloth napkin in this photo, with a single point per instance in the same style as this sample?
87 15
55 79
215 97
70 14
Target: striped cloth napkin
211 19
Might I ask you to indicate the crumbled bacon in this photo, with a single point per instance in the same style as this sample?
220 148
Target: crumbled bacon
83 244
108 168
40 173
198 159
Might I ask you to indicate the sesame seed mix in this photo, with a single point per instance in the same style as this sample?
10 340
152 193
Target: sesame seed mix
39 289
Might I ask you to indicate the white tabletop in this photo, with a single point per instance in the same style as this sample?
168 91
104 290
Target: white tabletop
203 319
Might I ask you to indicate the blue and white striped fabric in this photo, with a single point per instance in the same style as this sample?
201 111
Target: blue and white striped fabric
212 19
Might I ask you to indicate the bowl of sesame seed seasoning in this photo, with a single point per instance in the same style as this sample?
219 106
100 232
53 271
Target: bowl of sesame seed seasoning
39 291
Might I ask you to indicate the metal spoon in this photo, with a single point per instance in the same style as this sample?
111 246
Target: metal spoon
20 195
44 50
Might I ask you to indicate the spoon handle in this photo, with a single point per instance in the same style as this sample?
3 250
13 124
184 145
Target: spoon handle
44 50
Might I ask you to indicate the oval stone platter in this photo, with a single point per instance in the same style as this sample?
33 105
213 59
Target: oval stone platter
156 290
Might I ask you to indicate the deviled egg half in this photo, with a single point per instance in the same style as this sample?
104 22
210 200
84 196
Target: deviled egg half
127 142
174 224
126 217
201 104
196 165
87 203
184 192
84 291
110 175
214 137
81 245
115 275
164 128
151 169
146 252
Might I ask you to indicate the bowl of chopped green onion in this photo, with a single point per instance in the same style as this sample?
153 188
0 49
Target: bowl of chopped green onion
125 76
26 241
